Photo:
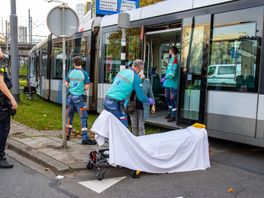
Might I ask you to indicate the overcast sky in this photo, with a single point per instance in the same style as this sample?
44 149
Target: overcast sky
39 10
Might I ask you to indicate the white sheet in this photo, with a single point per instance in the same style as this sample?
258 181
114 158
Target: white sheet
173 151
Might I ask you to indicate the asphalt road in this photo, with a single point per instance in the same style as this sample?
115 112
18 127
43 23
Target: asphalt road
236 167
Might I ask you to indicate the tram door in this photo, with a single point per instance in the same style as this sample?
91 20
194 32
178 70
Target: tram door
156 58
194 62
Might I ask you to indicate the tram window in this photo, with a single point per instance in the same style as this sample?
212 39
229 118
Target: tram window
78 47
44 62
112 60
112 55
235 51
56 69
133 44
195 45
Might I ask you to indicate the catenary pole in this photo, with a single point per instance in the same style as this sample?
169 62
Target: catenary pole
14 51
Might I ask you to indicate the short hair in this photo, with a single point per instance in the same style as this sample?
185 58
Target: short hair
174 49
138 63
77 61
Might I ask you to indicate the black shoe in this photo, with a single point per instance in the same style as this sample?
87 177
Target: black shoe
135 174
89 142
168 116
5 164
171 119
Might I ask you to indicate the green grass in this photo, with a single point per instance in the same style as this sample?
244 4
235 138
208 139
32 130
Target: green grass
23 70
22 82
44 115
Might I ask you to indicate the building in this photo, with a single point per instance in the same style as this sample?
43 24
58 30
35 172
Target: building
80 11
22 34
2 39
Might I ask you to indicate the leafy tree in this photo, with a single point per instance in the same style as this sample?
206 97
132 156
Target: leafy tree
148 2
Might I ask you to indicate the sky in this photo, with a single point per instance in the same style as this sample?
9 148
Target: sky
39 10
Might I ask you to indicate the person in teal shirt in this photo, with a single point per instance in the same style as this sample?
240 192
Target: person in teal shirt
124 83
171 83
77 80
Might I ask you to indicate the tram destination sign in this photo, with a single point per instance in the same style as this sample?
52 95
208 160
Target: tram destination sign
107 7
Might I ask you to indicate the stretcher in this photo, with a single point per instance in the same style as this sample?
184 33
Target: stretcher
173 151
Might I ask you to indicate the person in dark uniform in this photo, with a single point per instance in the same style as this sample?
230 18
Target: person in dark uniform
8 106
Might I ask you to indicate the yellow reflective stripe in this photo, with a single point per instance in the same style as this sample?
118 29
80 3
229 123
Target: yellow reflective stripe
2 69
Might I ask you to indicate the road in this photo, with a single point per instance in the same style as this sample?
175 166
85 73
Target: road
236 167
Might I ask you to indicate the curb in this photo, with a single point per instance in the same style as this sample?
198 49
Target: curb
38 157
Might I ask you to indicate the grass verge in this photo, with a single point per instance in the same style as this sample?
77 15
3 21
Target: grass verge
44 115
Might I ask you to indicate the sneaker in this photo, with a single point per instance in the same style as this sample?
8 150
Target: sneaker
171 119
168 116
89 142
5 164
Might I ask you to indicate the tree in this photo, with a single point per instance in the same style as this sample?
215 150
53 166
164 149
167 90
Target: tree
148 2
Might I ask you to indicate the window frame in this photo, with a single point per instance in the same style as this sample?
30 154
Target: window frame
103 73
259 56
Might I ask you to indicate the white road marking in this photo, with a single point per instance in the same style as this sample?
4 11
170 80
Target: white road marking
100 186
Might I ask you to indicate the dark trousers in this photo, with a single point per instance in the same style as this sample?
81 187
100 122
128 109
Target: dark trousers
171 98
117 109
77 102
4 130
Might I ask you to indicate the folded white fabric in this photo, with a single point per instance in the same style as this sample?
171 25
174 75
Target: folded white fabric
173 151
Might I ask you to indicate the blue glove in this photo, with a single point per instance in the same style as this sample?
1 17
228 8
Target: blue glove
151 101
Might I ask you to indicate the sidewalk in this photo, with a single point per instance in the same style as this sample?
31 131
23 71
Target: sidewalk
45 148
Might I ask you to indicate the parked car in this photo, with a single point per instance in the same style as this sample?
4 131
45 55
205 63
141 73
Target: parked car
223 74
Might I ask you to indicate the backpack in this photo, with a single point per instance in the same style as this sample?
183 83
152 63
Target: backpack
131 107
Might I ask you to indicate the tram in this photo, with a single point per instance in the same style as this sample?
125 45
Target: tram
221 62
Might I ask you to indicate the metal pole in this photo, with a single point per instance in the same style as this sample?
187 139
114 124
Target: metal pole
14 51
7 50
29 26
2 26
30 36
63 83
123 49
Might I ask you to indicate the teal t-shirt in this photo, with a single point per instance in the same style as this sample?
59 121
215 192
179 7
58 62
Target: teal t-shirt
77 78
171 77
125 82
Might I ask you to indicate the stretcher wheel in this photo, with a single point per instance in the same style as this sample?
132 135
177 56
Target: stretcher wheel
90 165
136 174
100 175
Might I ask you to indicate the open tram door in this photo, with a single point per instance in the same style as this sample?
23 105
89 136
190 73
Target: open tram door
157 42
194 63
